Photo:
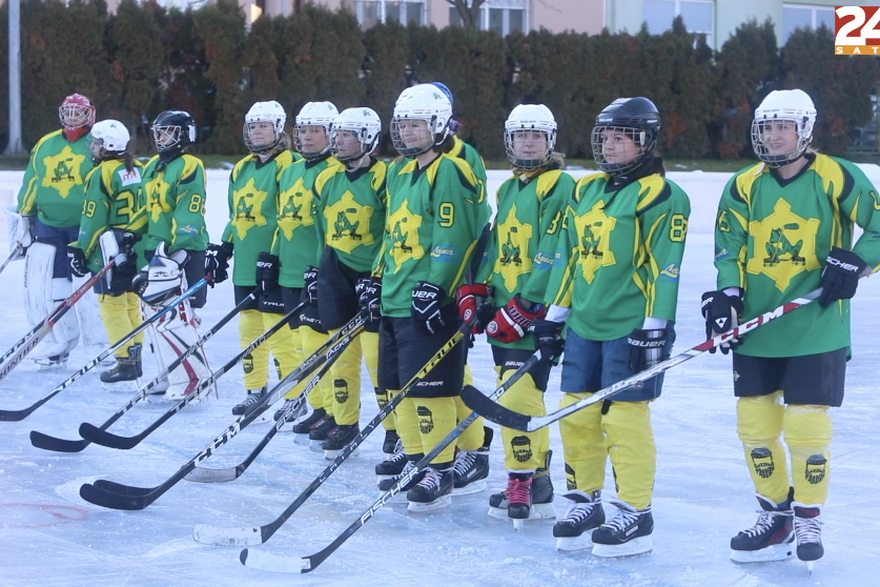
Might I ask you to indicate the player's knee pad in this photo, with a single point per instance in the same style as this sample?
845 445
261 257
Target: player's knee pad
345 374
808 432
629 438
759 426
473 436
436 418
524 451
135 314
256 363
583 445
759 418
117 320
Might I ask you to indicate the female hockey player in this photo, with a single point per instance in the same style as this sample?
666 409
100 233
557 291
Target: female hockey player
350 201
112 203
430 236
616 290
514 276
784 228
253 218
174 193
296 246
49 206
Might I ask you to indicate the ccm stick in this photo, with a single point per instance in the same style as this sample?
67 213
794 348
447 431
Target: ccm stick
94 434
16 415
206 534
266 561
46 442
506 417
125 497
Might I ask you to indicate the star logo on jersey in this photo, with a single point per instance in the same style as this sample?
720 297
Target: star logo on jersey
403 230
513 253
248 203
296 208
785 245
156 205
348 224
62 171
594 231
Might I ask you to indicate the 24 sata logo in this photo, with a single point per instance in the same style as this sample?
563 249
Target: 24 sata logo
857 30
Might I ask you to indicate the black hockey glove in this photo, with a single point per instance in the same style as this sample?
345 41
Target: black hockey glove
311 278
426 300
217 261
647 348
126 242
840 278
78 262
548 339
722 313
268 270
369 293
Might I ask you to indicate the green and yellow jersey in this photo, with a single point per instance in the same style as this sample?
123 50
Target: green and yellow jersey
52 189
296 241
351 213
772 237
253 211
112 200
431 229
620 259
174 197
522 244
463 150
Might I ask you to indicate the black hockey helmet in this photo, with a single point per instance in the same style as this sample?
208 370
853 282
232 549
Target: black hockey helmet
639 119
173 129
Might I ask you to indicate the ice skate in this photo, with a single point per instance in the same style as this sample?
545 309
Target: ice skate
770 539
124 375
389 445
319 433
628 533
433 492
540 495
808 531
393 465
294 414
409 463
302 428
471 467
252 399
574 532
339 438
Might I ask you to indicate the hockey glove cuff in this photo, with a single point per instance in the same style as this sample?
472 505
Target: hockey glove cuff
268 270
426 301
840 278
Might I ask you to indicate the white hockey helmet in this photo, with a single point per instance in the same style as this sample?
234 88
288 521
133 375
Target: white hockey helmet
270 111
113 135
795 106
366 125
422 102
314 114
531 117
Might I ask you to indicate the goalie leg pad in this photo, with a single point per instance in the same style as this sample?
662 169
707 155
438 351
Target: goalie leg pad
175 333
44 293
759 426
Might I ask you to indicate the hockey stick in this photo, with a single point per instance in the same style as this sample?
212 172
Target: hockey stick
210 475
98 436
270 562
127 497
206 534
508 418
16 251
44 441
16 415
23 347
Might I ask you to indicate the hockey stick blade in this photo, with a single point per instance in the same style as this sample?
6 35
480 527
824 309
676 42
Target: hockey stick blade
510 419
46 442
265 561
116 501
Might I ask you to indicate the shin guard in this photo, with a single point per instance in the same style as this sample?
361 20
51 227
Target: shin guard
759 426
583 445
808 433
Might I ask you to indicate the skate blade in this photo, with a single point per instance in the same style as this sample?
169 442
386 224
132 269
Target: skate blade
539 512
470 489
775 553
332 454
498 514
810 566
128 386
422 508
573 544
301 439
635 547
315 446
47 365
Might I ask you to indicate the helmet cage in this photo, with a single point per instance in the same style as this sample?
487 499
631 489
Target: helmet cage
173 129
400 145
644 137
803 126
76 111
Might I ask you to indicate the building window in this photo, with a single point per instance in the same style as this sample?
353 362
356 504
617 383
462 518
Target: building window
370 12
805 16
698 16
502 16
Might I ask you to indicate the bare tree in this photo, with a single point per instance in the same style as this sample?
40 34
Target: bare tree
469 10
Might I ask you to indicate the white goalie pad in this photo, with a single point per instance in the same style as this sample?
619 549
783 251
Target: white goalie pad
164 276
172 334
91 326
20 232
42 294
109 251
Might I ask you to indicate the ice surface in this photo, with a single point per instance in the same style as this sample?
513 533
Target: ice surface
51 537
